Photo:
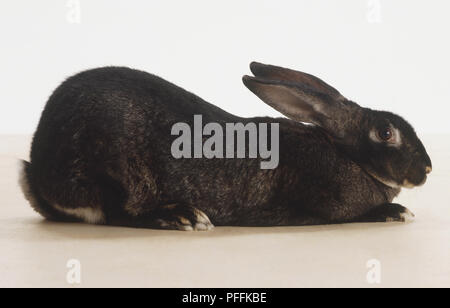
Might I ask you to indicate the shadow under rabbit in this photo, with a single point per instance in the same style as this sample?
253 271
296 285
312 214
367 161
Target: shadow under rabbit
45 229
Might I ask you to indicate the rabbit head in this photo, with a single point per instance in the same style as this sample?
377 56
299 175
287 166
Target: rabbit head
382 143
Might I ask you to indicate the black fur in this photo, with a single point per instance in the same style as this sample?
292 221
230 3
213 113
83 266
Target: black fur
103 143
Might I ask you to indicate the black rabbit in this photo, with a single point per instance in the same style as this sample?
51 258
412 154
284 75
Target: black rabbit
102 154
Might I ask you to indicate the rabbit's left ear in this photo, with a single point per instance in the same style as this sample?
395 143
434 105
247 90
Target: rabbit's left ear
303 104
272 72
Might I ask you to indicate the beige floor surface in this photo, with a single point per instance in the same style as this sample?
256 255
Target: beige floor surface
34 253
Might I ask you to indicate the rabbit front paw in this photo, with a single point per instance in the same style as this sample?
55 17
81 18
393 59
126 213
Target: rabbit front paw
388 213
404 215
176 217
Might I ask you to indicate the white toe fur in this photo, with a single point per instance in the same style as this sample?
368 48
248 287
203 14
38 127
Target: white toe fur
407 216
203 222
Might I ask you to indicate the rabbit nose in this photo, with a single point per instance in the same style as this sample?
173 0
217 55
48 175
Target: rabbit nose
428 169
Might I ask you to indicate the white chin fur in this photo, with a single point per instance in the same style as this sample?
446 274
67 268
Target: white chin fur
389 183
407 184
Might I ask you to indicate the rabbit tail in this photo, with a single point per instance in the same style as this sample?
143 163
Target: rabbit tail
30 192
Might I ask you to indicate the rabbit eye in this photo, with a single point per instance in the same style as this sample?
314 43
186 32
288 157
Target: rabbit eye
386 134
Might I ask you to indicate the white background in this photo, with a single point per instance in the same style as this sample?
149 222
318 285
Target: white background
400 64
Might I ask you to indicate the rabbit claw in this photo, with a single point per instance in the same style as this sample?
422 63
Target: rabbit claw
184 219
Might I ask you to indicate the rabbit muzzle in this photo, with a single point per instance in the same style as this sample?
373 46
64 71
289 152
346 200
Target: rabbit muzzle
417 173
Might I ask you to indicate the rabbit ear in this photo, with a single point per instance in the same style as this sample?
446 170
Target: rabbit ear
284 74
304 104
